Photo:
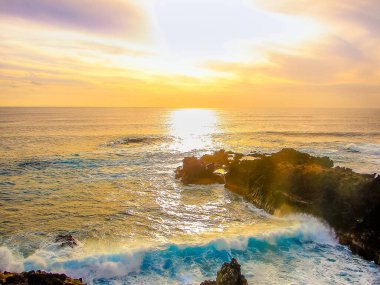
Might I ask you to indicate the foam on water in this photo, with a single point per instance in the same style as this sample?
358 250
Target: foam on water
366 148
8 261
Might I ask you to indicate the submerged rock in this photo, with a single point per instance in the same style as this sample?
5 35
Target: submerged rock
229 274
292 181
66 241
37 278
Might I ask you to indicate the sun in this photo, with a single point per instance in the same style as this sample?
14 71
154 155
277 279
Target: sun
192 128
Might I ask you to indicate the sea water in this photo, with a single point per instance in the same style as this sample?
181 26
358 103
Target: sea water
106 176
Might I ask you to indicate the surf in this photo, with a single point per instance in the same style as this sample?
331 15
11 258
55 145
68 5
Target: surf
280 250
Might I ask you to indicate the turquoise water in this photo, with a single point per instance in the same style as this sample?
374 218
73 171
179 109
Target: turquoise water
106 176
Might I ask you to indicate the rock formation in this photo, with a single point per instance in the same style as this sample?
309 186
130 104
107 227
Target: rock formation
197 171
37 278
66 241
229 274
292 181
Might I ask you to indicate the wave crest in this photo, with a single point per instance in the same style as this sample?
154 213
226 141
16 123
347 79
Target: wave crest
138 140
9 261
179 262
366 148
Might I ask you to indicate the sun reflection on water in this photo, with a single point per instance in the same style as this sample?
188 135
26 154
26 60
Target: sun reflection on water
192 128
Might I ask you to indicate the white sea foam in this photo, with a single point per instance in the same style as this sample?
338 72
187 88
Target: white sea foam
366 148
107 266
303 252
239 243
9 261
309 228
118 266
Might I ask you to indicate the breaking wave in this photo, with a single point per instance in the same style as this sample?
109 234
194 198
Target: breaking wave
325 134
298 254
366 148
138 140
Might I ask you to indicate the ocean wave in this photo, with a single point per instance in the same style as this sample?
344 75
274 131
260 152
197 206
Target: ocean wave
14 168
60 162
308 240
304 133
36 164
366 148
328 134
9 261
138 140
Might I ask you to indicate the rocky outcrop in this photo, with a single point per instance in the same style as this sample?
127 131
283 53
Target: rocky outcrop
197 171
66 241
292 181
205 170
37 278
229 274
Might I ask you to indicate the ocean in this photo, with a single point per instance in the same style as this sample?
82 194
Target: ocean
106 176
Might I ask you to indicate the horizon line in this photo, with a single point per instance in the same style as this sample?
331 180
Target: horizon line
190 107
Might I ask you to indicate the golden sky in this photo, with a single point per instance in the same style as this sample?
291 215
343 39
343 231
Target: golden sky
190 53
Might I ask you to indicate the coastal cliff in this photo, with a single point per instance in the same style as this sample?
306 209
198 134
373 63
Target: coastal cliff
292 181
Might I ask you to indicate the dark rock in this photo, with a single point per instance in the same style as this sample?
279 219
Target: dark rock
37 278
219 158
15 279
208 282
40 279
229 274
66 240
292 181
295 158
256 154
196 171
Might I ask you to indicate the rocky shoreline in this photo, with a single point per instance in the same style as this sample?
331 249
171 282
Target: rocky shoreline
37 278
292 181
40 277
229 274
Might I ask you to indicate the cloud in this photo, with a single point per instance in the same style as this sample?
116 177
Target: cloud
341 66
324 62
333 60
330 71
110 17
338 66
363 14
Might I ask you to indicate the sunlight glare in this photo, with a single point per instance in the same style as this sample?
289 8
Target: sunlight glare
192 128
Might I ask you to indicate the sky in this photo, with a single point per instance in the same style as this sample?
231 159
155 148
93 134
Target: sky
190 53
